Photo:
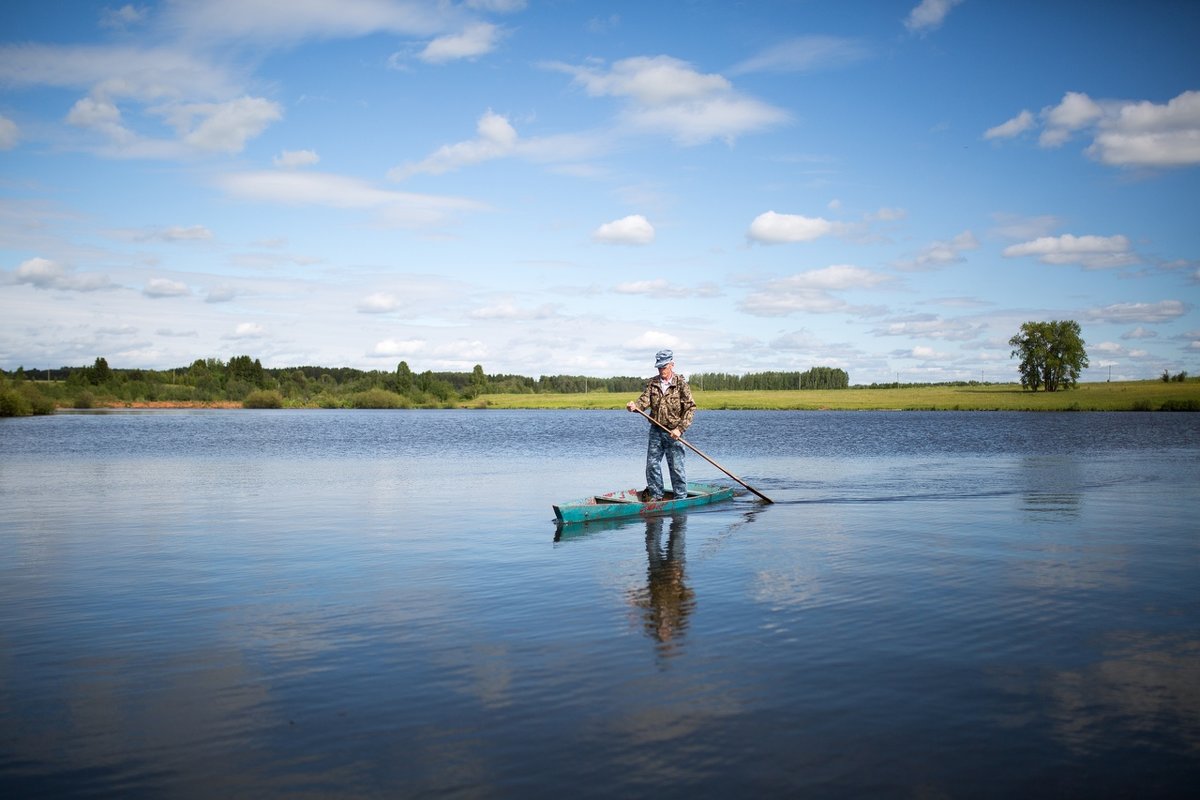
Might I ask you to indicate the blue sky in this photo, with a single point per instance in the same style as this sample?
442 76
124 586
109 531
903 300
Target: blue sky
888 187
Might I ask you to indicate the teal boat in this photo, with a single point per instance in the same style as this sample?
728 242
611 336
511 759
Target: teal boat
627 503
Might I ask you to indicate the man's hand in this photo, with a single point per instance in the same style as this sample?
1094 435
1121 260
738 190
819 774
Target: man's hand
676 434
631 406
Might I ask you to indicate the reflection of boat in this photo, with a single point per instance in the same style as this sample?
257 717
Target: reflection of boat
627 503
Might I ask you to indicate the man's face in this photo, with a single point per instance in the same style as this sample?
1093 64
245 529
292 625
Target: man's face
666 370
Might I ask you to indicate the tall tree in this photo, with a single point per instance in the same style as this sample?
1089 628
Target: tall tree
1052 354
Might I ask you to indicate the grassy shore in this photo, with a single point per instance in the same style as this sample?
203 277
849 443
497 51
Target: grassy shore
1118 396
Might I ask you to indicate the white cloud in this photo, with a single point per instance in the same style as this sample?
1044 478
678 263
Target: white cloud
773 228
1090 252
656 286
164 287
378 303
123 17
1124 133
929 326
927 353
806 54
668 96
929 15
811 291
652 341
220 294
284 23
247 330
634 230
1074 112
497 6
496 138
1151 135
398 347
509 311
9 133
474 41
400 209
1013 127
110 73
1139 333
939 254
223 127
42 273
1130 313
293 159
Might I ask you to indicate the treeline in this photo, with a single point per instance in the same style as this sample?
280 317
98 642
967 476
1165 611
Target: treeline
815 378
245 380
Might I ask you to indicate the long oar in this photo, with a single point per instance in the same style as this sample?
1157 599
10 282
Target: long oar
697 451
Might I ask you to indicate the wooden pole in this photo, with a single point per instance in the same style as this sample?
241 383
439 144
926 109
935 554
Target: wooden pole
698 452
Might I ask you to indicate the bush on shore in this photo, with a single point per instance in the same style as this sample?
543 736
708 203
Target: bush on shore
263 398
377 398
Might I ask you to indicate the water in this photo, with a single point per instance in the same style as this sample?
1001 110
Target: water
377 604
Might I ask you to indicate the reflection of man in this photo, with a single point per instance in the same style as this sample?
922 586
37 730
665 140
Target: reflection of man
666 601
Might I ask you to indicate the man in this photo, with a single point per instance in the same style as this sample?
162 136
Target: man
669 400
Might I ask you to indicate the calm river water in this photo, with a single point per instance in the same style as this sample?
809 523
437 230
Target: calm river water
378 604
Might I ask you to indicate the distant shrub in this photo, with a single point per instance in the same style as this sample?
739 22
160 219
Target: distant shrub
23 400
1190 404
263 398
1142 405
377 398
85 400
14 404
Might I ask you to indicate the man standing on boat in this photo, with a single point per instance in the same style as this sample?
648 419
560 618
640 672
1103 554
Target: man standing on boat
669 401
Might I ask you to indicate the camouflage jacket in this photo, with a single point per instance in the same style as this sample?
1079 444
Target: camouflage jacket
671 409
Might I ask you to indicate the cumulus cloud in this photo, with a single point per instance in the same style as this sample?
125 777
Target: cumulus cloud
1013 127
929 15
42 273
164 287
10 134
496 138
1124 133
805 54
812 291
474 41
940 254
1089 252
668 96
1133 313
293 159
773 228
633 230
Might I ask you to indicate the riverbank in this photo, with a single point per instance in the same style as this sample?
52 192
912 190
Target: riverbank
1119 396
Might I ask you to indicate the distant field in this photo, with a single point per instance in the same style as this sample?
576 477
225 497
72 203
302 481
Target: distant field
1119 396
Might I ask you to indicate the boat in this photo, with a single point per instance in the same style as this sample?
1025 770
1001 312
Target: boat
628 503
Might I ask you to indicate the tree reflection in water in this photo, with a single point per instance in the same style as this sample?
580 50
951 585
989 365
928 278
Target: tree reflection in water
666 601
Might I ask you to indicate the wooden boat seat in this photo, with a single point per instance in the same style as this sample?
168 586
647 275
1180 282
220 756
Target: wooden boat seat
603 499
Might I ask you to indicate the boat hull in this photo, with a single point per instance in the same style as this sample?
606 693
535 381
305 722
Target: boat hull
625 503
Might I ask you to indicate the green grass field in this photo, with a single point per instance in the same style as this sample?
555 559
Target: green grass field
1119 396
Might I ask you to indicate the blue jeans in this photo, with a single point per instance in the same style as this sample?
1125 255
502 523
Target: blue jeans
661 444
